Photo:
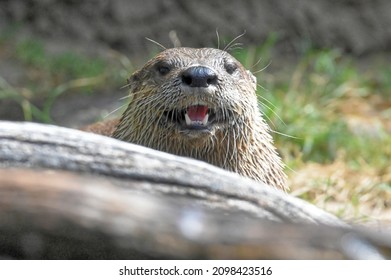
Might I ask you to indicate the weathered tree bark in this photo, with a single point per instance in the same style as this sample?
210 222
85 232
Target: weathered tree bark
70 194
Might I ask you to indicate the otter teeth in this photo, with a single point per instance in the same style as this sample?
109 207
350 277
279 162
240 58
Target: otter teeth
189 122
205 120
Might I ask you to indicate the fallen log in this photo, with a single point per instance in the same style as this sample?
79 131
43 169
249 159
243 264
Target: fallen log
70 194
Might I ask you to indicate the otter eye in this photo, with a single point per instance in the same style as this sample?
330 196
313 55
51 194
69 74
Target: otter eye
163 68
230 67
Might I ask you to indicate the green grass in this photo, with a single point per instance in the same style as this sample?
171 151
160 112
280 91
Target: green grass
50 75
332 163
306 108
67 65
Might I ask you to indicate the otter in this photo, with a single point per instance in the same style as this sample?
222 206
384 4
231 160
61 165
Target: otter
200 103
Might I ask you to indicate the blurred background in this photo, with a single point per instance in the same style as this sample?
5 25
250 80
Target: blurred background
323 69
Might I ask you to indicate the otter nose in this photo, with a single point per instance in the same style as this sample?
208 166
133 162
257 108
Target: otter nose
199 76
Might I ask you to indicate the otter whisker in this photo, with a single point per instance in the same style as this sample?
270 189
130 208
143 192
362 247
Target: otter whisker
235 151
218 38
115 110
147 130
262 69
273 111
267 117
125 86
161 108
125 97
262 87
255 64
233 40
266 100
286 135
236 46
156 43
148 100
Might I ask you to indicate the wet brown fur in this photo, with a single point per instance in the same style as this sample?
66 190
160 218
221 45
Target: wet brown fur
242 143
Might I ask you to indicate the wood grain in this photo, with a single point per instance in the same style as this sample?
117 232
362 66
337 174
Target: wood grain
70 194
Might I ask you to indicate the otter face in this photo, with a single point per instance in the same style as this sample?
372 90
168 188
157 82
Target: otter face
194 92
201 103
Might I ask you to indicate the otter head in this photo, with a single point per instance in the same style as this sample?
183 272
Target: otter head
189 93
198 103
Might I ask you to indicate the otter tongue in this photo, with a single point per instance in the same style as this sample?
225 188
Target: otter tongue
197 114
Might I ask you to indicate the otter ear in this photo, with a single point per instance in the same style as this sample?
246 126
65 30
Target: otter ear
253 79
134 81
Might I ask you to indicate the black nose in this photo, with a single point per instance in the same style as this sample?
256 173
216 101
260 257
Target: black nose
199 76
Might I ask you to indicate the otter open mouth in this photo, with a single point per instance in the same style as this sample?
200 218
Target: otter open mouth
195 117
